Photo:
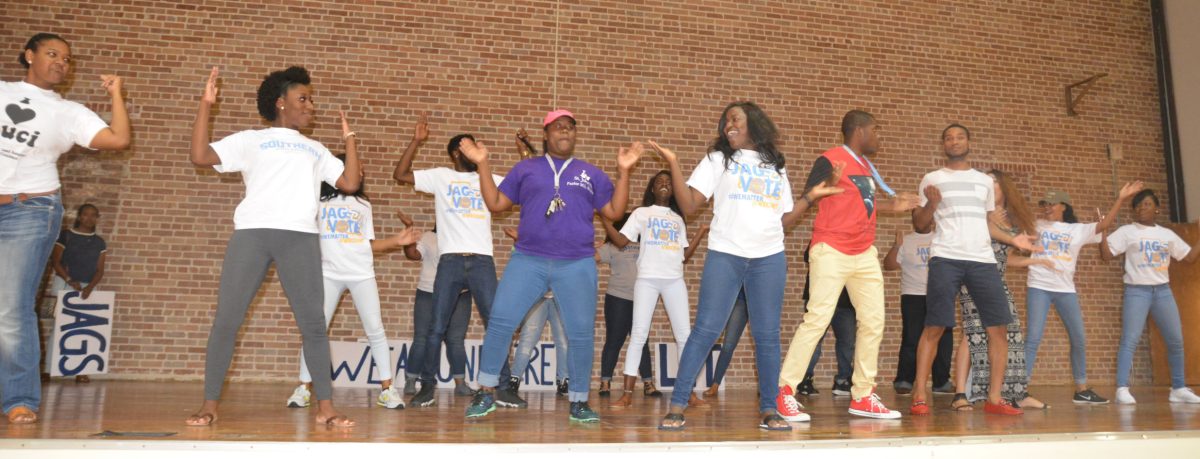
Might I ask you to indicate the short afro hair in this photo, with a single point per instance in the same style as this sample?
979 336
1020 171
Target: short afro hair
276 85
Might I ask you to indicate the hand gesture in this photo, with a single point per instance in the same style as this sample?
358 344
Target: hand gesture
511 233
111 84
704 228
998 217
210 88
933 195
835 175
1131 189
421 129
905 201
822 190
663 152
75 285
476 152
404 218
407 236
524 147
627 157
345 125
87 291
1025 242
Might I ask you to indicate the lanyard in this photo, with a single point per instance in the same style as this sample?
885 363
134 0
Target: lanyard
556 203
874 173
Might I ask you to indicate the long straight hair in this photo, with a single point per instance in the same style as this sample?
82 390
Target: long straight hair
1018 210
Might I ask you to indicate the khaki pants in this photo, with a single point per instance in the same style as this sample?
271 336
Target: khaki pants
829 272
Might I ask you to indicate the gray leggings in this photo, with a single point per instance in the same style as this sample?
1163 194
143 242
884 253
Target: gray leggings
297 258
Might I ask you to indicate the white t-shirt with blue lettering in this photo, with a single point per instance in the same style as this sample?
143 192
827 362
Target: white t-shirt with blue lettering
750 199
464 223
1148 252
1061 243
283 171
346 234
661 236
913 257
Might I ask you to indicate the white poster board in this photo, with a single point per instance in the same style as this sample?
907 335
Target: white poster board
82 332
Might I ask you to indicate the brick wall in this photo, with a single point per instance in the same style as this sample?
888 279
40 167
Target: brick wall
651 69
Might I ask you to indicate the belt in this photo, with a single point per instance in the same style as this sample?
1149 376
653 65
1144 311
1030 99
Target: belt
11 198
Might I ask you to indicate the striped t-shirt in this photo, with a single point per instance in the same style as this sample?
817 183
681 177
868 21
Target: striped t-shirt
961 217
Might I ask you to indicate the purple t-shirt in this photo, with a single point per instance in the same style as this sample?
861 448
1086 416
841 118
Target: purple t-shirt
567 234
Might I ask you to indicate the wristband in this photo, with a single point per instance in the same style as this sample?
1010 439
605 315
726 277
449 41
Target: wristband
348 135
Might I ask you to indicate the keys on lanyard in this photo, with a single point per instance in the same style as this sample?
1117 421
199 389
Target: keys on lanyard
556 203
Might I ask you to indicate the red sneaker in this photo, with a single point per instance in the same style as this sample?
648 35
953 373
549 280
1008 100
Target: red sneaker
788 407
1004 407
871 407
919 408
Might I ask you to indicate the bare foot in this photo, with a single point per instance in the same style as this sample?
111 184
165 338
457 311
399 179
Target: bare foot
329 416
625 401
205 416
1031 403
22 415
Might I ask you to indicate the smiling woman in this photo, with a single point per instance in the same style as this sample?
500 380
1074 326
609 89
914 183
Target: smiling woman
37 127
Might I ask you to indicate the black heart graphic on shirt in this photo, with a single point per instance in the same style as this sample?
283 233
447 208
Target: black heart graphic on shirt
19 115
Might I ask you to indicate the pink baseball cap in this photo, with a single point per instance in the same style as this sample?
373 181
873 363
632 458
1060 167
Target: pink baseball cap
550 117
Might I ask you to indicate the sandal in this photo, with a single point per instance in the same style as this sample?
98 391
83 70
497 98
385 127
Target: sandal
649 390
672 417
337 420
201 420
776 418
961 403
22 415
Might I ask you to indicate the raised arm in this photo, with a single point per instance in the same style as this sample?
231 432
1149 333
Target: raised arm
352 175
477 152
1127 193
627 157
1105 250
202 154
891 261
403 172
694 243
117 135
688 198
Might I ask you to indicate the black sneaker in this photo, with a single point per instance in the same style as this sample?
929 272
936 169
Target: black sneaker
1087 397
806 387
562 387
841 388
947 388
507 396
482 404
581 412
425 396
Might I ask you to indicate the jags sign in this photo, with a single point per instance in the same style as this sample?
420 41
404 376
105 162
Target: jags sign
82 331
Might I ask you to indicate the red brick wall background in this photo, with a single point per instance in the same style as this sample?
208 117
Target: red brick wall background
650 69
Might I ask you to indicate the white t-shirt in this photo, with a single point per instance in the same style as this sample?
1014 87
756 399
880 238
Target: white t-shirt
428 247
283 171
913 256
346 234
1148 251
750 200
623 271
961 231
1062 243
36 127
660 233
464 222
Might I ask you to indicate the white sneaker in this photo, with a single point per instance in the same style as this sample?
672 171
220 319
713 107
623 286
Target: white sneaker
391 399
1124 397
299 398
1183 395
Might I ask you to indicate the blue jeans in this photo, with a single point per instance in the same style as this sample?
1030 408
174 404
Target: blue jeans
27 233
724 275
525 280
1067 305
455 272
1156 301
546 310
456 351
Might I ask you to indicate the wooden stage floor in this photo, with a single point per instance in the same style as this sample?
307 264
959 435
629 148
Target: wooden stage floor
255 412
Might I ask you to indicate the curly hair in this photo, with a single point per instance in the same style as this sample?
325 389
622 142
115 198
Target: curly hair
763 134
276 85
34 43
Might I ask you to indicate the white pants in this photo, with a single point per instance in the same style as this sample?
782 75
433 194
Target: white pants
645 298
365 294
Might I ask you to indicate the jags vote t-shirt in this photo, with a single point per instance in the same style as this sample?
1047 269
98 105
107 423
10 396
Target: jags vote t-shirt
749 200
463 220
346 235
660 232
1148 251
